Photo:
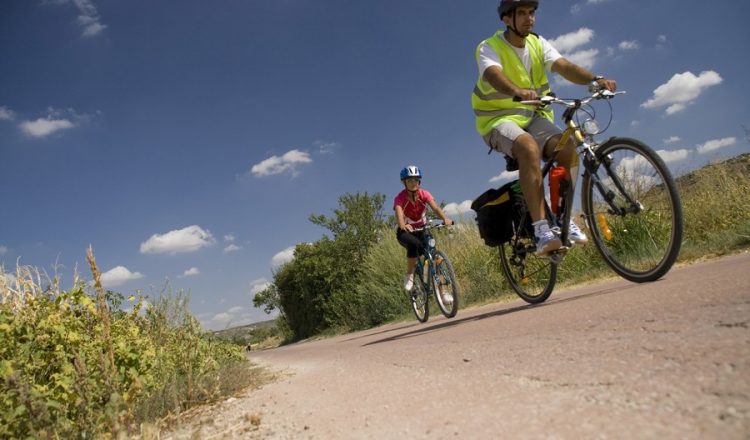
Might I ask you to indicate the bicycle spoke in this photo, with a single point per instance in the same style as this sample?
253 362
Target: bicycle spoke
636 221
530 276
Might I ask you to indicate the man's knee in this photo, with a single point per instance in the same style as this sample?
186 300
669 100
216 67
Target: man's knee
525 148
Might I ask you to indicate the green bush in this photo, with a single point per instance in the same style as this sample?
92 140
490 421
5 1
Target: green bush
75 365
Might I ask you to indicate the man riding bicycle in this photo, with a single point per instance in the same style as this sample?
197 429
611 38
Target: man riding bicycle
513 63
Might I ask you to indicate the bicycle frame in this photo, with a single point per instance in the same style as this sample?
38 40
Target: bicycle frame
428 252
583 145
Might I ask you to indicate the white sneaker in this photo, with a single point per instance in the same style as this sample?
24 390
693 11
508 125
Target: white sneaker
547 242
409 282
446 295
576 235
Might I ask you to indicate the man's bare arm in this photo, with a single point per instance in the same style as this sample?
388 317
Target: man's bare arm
497 79
579 75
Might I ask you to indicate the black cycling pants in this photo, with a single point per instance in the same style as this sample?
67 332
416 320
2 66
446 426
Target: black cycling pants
412 241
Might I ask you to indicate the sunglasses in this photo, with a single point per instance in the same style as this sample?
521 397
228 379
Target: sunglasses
413 179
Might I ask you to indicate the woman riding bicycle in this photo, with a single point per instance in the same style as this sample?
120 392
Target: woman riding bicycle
514 63
411 209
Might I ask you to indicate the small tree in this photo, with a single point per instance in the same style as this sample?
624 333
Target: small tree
329 268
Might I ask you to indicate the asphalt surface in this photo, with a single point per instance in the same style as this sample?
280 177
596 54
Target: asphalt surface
669 359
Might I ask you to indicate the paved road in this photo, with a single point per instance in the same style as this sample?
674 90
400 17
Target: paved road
669 359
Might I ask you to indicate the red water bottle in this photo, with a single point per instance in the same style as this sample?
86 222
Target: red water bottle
556 177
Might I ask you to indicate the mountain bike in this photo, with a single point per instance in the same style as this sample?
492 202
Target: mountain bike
629 200
434 275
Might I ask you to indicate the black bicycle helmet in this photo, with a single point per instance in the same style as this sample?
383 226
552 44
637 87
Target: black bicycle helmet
508 6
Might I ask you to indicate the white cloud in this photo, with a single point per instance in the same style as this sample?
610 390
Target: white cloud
277 165
572 40
505 176
671 140
681 90
258 285
44 127
3 250
6 114
457 209
9 279
673 155
221 320
56 120
326 147
231 248
283 257
190 272
188 239
715 144
585 58
229 237
661 40
118 276
675 108
88 17
578 7
628 45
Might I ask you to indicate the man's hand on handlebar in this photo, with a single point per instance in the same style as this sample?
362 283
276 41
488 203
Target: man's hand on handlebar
526 95
608 84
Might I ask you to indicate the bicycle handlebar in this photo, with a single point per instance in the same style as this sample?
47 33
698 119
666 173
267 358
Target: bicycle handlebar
570 103
432 226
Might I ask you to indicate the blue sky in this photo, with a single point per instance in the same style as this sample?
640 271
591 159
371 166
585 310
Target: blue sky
190 141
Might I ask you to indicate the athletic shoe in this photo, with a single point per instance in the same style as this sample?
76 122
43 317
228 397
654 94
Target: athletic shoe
576 235
547 242
446 295
409 282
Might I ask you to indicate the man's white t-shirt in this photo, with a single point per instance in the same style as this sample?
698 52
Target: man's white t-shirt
488 57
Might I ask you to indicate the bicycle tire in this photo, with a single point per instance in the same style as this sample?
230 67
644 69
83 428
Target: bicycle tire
532 277
420 297
642 245
445 276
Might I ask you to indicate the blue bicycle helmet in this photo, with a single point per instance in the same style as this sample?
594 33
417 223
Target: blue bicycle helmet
411 171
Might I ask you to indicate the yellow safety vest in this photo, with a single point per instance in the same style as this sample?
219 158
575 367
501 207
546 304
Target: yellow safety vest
492 107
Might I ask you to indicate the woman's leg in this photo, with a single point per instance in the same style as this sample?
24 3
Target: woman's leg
412 242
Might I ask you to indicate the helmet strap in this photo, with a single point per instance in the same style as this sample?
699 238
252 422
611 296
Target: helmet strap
514 27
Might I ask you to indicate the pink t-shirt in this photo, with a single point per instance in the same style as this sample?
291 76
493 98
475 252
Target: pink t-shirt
414 212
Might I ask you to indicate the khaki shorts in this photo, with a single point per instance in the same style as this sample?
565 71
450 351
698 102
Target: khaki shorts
502 136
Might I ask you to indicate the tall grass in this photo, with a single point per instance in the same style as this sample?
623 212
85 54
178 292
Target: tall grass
716 201
76 364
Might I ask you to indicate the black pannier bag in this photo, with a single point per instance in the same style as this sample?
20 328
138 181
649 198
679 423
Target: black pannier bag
499 212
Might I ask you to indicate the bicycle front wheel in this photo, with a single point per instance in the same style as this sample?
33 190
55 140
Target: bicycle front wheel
445 285
532 277
633 210
420 299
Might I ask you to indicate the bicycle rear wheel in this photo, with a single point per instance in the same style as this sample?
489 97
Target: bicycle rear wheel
633 210
444 283
530 276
